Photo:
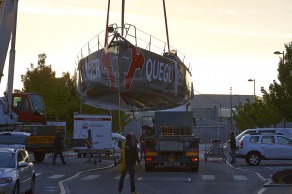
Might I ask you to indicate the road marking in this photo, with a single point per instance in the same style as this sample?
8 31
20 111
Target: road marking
240 177
38 174
167 179
90 177
56 176
118 177
208 177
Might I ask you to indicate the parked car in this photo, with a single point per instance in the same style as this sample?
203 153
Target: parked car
270 146
17 171
284 131
116 137
13 139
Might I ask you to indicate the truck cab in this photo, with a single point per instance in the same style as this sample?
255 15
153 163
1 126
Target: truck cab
29 107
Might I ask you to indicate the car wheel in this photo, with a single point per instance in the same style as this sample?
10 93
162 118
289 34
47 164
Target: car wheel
253 158
16 188
39 156
32 186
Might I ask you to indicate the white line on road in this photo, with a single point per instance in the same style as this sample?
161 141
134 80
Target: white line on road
90 177
208 177
175 179
56 176
118 177
240 177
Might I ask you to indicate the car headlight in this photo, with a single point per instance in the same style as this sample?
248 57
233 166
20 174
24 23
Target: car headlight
5 180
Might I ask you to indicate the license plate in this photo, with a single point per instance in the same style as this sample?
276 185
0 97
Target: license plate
40 139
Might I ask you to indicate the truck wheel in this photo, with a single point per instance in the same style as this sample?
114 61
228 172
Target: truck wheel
253 158
79 155
149 167
195 168
39 156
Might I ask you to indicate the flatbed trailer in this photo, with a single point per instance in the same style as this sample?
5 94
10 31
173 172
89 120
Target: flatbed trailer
171 143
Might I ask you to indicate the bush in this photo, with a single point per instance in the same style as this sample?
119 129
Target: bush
283 177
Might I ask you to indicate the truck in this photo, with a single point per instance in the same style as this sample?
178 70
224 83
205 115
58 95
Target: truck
24 112
170 142
92 135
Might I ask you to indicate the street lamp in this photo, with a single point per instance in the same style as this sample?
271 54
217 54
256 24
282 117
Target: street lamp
231 119
253 80
279 53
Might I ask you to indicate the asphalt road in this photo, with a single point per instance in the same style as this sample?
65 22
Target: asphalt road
80 176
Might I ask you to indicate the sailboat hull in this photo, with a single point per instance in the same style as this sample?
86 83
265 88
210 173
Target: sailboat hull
127 77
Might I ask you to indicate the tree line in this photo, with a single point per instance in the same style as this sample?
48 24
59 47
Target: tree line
60 95
276 102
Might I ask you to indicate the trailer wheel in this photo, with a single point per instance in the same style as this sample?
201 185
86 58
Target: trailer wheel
39 156
195 169
149 167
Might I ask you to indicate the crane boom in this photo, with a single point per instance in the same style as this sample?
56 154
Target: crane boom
8 13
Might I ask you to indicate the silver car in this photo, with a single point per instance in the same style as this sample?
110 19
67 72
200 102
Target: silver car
17 174
256 147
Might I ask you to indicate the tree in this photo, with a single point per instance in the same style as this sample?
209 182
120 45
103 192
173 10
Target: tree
276 104
258 114
60 96
56 92
280 94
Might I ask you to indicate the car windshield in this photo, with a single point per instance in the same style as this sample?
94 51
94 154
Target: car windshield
7 160
7 138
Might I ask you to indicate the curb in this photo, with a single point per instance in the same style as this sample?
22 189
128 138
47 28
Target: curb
271 184
252 172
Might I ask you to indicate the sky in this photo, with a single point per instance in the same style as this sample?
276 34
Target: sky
226 42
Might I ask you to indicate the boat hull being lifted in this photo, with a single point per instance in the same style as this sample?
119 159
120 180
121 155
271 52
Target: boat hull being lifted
126 77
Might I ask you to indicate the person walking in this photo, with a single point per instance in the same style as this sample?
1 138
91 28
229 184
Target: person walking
58 147
142 145
233 147
128 161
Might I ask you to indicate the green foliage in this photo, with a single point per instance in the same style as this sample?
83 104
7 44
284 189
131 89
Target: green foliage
60 96
276 104
280 94
257 114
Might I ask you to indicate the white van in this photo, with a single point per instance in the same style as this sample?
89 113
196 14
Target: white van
283 131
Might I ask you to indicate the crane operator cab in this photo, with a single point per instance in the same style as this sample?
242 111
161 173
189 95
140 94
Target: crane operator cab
29 107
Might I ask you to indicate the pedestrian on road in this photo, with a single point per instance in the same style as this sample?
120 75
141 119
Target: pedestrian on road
233 147
142 145
128 161
58 147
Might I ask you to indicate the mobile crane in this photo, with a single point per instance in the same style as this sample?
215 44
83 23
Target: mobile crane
21 111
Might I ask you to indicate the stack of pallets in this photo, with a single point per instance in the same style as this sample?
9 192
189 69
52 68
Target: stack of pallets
175 131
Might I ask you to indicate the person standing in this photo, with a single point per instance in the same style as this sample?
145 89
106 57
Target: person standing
142 145
129 159
233 147
58 147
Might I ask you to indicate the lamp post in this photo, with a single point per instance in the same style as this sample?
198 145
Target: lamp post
231 119
253 80
279 53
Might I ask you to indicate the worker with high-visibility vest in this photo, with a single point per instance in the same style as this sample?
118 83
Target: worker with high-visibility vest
128 161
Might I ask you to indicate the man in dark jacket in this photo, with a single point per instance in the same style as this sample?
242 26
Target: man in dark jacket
233 148
131 157
58 147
